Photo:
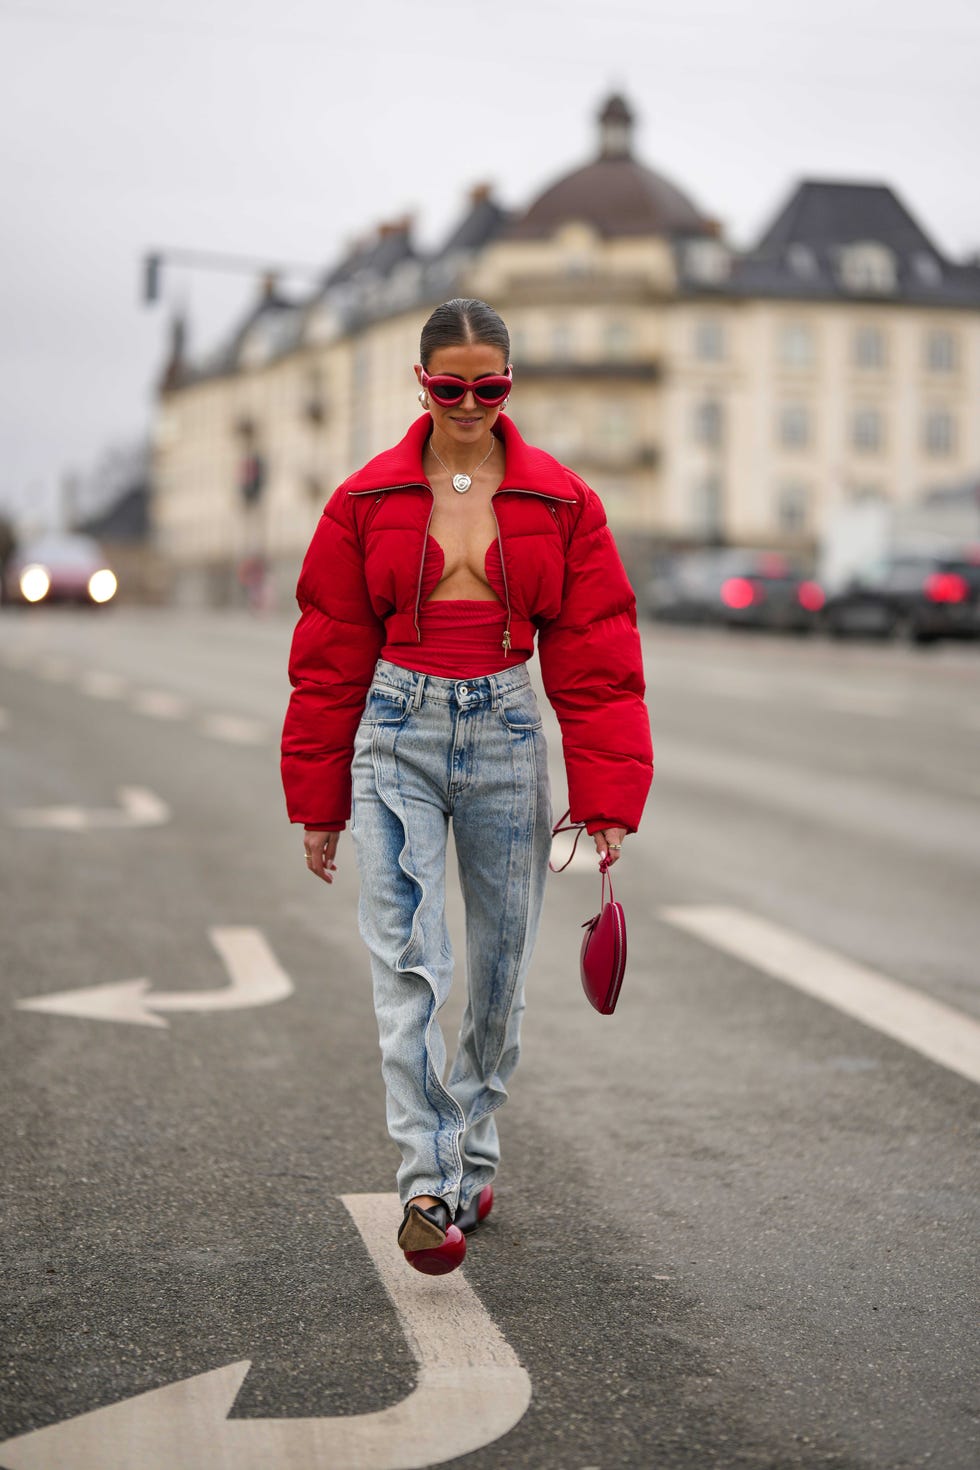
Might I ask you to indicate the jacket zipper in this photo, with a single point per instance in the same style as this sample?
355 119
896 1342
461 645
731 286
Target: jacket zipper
505 642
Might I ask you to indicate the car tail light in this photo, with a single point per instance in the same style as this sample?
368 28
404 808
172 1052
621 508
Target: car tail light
946 587
811 596
740 592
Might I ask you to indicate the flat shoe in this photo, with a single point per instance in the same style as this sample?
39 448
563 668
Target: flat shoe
423 1229
477 1210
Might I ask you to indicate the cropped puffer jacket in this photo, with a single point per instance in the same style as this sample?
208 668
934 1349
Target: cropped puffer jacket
360 586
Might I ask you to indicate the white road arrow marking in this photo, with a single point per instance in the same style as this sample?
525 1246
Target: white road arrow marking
137 808
471 1389
257 979
945 1035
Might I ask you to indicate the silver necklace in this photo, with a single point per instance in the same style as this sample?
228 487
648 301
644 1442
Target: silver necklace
461 483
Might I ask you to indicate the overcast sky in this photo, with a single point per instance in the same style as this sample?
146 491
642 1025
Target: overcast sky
283 128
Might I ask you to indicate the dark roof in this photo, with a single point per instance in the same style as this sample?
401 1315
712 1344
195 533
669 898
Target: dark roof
825 214
617 196
376 256
801 254
482 222
615 193
126 519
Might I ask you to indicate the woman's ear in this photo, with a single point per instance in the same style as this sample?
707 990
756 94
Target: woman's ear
418 372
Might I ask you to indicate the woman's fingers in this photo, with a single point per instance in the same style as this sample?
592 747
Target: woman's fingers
321 849
608 844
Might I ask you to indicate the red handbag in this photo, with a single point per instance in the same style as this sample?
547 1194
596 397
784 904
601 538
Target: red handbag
603 957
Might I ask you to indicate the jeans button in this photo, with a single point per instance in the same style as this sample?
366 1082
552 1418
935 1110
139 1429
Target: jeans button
463 689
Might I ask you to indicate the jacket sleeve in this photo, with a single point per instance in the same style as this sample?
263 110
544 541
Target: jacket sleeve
592 667
335 647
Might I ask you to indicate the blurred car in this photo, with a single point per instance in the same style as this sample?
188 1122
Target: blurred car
922 596
60 568
740 588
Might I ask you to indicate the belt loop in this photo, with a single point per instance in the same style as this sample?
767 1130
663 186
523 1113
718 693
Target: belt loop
494 693
419 689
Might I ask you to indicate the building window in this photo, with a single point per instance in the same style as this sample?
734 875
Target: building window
868 431
927 268
939 433
708 423
561 341
796 345
867 267
941 352
519 345
614 429
709 340
707 261
707 507
792 509
618 339
869 348
802 261
794 426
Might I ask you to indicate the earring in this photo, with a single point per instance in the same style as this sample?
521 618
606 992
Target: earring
423 398
505 403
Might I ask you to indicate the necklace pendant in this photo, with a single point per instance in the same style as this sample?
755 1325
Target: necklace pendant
461 483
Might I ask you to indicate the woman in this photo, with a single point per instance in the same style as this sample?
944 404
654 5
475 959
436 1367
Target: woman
428 576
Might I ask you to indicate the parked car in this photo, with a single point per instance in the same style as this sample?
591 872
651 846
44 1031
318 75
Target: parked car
739 588
922 596
60 568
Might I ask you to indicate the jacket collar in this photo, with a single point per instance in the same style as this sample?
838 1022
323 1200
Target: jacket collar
527 468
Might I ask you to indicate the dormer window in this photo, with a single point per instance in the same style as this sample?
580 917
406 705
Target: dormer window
867 267
802 262
928 271
707 261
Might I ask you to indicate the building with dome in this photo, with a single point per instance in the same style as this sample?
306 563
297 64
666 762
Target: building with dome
709 395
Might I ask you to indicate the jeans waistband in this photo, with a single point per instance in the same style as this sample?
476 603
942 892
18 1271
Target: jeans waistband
484 688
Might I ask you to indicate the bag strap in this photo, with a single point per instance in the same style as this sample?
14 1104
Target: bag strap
578 828
562 826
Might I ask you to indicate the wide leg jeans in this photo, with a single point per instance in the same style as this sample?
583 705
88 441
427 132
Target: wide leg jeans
430 751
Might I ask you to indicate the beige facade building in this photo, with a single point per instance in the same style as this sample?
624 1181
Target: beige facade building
708 394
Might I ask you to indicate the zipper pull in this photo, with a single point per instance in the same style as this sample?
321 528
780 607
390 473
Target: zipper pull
505 641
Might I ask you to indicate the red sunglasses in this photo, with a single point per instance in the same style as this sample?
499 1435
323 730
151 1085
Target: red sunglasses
448 391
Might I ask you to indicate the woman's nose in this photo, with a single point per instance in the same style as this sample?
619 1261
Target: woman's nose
469 401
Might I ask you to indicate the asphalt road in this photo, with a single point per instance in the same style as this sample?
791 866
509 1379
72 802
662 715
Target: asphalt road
735 1224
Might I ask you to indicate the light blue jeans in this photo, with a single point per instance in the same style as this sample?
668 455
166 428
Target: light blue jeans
427 751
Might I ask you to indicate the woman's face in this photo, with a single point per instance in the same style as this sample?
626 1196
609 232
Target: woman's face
467 422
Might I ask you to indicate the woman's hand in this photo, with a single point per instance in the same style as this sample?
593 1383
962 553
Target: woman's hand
608 843
321 849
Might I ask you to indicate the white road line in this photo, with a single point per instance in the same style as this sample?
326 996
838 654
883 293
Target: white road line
235 729
137 808
159 704
470 1390
102 685
938 1031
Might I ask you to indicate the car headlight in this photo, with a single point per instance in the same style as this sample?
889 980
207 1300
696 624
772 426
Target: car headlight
102 585
35 583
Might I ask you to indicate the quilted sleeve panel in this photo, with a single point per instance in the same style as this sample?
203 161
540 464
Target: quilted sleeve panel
335 647
592 667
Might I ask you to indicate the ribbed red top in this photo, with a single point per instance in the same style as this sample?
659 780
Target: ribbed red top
462 638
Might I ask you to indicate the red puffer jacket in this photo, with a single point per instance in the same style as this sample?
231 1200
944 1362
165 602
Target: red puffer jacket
361 582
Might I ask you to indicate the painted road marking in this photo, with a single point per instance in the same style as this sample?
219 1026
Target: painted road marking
102 685
137 808
235 729
159 704
940 1032
257 979
471 1389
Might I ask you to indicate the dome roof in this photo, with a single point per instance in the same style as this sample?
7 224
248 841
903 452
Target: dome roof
615 194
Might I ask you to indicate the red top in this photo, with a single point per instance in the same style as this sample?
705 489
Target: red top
462 638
